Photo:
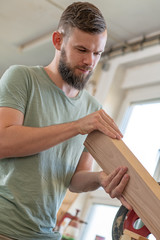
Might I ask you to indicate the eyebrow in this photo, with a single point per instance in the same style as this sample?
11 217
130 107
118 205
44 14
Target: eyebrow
84 48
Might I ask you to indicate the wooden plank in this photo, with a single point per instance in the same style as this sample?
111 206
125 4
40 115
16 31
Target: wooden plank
142 191
131 235
126 237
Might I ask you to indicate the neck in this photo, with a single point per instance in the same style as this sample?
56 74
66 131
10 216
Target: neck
52 72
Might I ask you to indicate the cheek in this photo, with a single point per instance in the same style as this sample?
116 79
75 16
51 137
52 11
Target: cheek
71 56
75 59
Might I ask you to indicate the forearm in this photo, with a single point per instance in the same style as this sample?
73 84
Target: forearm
84 181
16 141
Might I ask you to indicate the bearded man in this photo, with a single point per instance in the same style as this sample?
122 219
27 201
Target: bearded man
45 116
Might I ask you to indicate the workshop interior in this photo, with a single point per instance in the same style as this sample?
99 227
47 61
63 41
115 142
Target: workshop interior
126 82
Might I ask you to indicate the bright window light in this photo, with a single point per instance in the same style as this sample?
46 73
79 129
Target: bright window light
142 134
100 222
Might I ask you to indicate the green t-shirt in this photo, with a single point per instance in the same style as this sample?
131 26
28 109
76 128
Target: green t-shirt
32 188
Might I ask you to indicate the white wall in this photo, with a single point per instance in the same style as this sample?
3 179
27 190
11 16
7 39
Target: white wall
132 71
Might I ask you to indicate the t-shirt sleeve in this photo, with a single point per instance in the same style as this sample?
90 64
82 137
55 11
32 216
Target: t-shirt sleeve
13 88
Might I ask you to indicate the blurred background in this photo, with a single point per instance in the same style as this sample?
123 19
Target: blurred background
126 82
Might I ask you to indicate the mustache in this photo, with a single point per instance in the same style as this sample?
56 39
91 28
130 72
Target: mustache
85 68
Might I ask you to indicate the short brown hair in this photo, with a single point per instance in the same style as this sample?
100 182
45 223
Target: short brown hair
84 16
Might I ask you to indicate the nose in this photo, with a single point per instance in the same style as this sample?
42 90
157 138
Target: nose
89 59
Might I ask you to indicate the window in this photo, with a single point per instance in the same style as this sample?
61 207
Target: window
142 133
100 222
142 136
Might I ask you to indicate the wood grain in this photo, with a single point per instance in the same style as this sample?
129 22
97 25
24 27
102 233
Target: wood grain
142 191
128 235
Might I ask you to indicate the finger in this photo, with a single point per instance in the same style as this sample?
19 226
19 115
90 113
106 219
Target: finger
111 122
108 126
108 130
106 179
116 181
117 191
125 203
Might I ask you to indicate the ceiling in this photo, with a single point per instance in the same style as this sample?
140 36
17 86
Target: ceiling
27 25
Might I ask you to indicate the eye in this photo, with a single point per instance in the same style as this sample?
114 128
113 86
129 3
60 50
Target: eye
82 50
98 53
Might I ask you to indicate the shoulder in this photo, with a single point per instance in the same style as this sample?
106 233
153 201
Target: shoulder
17 74
19 70
16 69
13 72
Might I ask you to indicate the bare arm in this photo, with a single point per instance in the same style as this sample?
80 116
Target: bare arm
85 180
17 140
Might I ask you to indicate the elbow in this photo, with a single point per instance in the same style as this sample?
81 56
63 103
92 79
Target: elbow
1 146
4 149
74 189
2 155
3 152
71 188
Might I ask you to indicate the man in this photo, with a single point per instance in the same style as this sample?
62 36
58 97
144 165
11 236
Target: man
45 116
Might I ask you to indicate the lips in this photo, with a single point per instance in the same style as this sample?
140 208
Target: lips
85 70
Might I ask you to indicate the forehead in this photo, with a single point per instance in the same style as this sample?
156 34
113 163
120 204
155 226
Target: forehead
95 42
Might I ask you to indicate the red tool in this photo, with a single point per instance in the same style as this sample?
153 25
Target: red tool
71 231
129 220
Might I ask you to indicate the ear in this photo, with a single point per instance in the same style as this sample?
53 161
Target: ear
57 38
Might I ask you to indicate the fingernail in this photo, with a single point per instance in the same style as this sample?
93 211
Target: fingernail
126 176
118 137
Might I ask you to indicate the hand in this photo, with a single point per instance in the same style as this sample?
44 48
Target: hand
115 183
101 121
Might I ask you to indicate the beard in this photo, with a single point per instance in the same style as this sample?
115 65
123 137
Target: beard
68 73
